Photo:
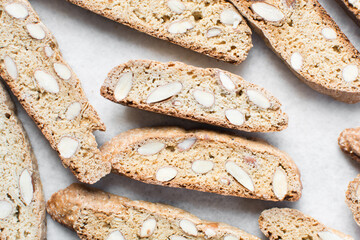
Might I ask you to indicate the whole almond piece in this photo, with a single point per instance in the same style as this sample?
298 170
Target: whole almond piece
36 31
176 6
151 148
226 82
11 67
202 166
329 33
213 32
230 17
235 117
204 98
258 99
186 144
280 184
296 61
62 71
17 10
267 12
67 146
165 174
350 73
5 209
164 92
240 175
116 235
73 111
188 227
180 27
26 187
46 81
123 86
148 228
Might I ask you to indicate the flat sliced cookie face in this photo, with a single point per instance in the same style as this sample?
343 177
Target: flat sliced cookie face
98 215
286 223
204 161
206 95
315 50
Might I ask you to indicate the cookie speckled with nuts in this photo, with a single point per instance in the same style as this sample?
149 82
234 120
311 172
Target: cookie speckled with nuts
208 95
211 27
32 66
94 214
204 161
316 50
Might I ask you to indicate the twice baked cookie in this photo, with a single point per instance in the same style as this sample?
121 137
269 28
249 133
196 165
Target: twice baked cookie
349 142
32 66
353 8
353 198
204 161
289 224
211 27
208 95
94 214
315 50
22 204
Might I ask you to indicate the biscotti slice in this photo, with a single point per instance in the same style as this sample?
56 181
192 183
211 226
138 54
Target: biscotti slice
349 142
211 27
204 161
353 8
290 224
22 204
32 66
310 43
94 214
353 198
208 95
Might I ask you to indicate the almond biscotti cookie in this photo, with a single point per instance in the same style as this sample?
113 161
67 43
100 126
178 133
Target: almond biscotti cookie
353 8
349 142
208 95
32 65
204 161
211 27
22 204
315 50
353 198
289 224
94 214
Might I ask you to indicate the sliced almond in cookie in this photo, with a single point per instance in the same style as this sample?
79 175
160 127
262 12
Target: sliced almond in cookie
186 144
235 117
67 147
26 187
350 73
267 12
6 209
151 148
17 10
230 17
231 237
226 81
176 6
116 235
280 184
164 92
329 236
329 33
188 227
36 31
165 174
210 233
202 166
240 175
49 52
73 111
213 32
258 99
62 71
123 86
148 227
204 98
10 67
181 26
296 61
46 81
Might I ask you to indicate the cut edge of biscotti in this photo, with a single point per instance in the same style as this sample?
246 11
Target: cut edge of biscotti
279 223
317 51
351 9
206 161
21 198
207 95
32 66
353 198
81 208
212 28
349 142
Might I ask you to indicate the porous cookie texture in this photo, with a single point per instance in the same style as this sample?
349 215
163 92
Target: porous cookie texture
289 224
208 95
32 66
349 142
22 204
316 50
353 8
211 27
204 161
353 198
94 214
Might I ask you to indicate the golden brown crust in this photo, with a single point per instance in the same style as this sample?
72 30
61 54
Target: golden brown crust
270 120
345 92
353 12
125 142
349 142
353 198
66 207
103 9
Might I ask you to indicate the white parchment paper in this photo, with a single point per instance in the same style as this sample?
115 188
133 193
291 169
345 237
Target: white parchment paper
93 45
